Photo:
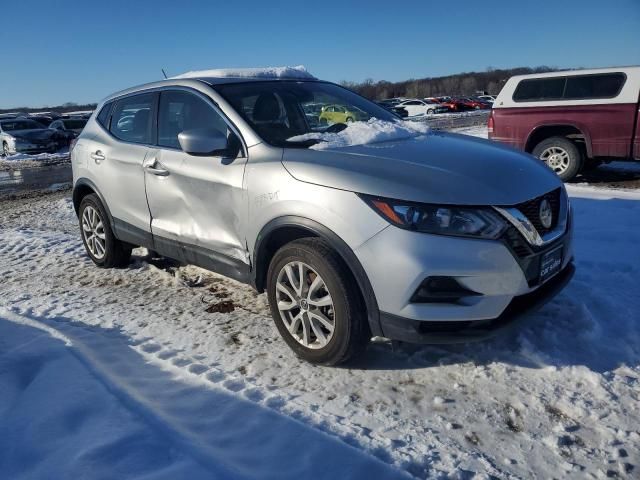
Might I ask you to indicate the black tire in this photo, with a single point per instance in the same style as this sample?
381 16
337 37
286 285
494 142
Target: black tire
351 330
349 120
430 111
574 156
117 253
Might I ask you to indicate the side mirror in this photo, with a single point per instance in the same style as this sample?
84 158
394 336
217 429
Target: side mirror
203 141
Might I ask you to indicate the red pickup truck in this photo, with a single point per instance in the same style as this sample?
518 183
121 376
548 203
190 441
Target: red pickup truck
571 120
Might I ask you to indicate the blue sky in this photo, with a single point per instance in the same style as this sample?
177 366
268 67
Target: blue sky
80 51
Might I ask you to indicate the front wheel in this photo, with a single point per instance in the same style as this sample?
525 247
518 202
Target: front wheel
315 303
430 112
101 245
561 155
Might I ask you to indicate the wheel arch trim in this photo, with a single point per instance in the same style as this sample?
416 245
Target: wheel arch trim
79 185
578 126
260 265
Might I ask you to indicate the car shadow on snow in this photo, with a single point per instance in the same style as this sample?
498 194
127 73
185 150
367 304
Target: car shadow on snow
200 414
594 322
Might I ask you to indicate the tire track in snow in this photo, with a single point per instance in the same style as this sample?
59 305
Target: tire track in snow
241 351
230 435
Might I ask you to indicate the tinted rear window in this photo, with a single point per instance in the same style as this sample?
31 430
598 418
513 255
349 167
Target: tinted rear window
103 116
538 89
131 118
594 86
578 87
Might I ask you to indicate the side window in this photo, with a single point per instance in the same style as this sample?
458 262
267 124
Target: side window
131 118
184 111
103 116
539 89
594 86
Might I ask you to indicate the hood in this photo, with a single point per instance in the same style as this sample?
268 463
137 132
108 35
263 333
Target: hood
33 135
434 168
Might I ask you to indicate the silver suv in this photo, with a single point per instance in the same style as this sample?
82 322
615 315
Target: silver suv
353 231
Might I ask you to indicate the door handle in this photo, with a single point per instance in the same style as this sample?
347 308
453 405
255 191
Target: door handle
160 172
150 166
98 156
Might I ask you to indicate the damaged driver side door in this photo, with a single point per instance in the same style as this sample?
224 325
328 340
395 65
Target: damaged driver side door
196 200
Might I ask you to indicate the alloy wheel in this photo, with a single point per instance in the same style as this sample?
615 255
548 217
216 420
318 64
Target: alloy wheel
556 158
93 232
305 305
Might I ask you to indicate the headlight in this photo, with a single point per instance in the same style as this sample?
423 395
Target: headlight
439 219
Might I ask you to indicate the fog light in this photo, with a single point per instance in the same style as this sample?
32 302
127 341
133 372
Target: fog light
441 290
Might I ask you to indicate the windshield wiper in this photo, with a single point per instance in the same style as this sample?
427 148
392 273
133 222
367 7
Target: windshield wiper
300 143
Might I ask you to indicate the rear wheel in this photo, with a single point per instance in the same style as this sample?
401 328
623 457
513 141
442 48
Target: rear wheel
561 155
101 245
349 119
430 111
315 304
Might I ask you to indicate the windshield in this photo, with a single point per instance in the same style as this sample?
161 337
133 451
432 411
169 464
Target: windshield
10 125
74 124
279 110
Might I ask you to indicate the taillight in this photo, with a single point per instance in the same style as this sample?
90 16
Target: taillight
490 124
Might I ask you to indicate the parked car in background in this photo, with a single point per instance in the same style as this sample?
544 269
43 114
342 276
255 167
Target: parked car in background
415 239
393 101
487 98
44 120
22 135
472 103
340 114
437 106
71 126
571 120
312 113
401 112
78 114
9 115
68 128
419 108
451 104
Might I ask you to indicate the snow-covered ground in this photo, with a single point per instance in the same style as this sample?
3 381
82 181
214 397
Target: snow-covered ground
135 373
479 131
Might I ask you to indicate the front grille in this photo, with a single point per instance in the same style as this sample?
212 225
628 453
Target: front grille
531 209
517 242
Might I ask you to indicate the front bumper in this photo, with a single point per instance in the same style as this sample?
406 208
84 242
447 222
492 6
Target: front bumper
497 272
417 331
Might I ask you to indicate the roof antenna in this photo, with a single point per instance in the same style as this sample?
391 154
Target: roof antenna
164 73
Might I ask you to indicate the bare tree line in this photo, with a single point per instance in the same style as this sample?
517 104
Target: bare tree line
468 83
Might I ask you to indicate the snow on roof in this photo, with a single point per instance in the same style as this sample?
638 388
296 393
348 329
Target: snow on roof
266 72
360 133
